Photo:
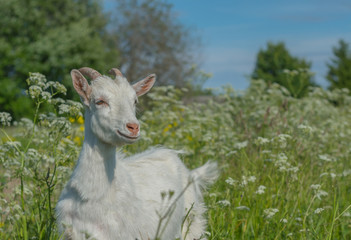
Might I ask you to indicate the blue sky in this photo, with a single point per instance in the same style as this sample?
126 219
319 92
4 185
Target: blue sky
233 31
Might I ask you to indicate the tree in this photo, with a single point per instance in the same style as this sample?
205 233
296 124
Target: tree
339 69
151 40
276 65
50 37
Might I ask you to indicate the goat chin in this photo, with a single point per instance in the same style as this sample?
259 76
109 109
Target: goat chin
146 196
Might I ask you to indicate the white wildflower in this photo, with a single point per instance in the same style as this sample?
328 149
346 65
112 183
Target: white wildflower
346 214
243 181
282 139
315 186
320 193
5 118
36 79
270 212
262 141
213 195
224 203
241 145
293 169
71 107
45 95
282 157
57 100
64 108
283 220
32 154
251 179
230 181
58 86
283 164
261 190
34 91
326 158
243 208
13 144
305 129
231 153
318 210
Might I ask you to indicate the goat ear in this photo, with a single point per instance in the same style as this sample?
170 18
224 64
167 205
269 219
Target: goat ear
143 86
81 85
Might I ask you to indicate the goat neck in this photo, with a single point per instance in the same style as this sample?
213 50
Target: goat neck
96 165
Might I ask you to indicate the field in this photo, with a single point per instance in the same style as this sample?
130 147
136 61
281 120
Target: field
285 162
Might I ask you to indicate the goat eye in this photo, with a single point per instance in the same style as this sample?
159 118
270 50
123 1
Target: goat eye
135 102
100 102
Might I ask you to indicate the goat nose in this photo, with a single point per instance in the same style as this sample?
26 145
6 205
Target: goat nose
133 128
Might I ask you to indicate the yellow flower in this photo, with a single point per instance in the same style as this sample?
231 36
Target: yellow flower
71 119
81 128
80 120
189 138
78 140
166 129
175 124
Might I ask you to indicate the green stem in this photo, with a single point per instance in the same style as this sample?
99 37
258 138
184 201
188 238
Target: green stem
34 122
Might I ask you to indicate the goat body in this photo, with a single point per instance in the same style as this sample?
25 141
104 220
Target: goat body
141 197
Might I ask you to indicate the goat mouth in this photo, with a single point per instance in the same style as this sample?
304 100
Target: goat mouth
126 136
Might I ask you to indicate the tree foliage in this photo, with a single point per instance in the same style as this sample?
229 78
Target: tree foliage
50 37
339 68
276 65
152 40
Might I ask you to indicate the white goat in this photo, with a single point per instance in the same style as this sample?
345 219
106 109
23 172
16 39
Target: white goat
112 197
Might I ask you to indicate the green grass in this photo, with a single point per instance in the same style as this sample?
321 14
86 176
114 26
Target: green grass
285 162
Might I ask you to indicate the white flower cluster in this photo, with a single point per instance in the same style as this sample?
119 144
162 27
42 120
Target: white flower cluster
243 208
35 91
319 193
71 108
231 181
283 164
326 158
57 86
39 88
282 140
305 129
262 141
245 180
270 212
223 203
5 119
261 190
241 145
318 210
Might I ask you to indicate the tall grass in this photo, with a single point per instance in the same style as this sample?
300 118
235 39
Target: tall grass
285 162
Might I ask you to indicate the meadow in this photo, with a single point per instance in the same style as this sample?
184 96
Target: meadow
285 162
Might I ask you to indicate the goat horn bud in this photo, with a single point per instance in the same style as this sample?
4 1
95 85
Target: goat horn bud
115 72
92 73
